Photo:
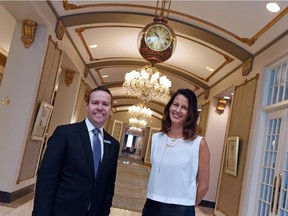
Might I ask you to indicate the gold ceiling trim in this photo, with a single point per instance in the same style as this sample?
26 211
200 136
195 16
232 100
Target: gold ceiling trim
175 73
162 67
82 29
227 58
120 82
248 41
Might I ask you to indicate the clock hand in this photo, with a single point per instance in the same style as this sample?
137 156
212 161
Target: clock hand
156 34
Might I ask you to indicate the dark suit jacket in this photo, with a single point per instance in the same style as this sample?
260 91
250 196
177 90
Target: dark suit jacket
66 184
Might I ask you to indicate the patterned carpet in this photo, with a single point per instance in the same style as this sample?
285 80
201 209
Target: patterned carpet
131 184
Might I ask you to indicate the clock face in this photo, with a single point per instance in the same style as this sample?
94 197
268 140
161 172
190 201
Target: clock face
158 37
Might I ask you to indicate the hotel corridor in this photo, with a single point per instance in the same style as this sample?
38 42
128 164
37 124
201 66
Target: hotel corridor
129 198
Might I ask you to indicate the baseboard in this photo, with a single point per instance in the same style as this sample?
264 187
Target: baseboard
10 197
207 204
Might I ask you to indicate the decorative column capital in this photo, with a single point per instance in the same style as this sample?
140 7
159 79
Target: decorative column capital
69 76
221 106
28 32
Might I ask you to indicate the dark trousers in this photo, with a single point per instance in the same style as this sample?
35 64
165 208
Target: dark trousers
155 208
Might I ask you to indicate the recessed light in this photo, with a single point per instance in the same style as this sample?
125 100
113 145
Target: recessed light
227 97
273 7
105 76
93 46
209 69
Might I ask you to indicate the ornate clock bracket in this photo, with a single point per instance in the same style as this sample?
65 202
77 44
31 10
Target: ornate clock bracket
157 40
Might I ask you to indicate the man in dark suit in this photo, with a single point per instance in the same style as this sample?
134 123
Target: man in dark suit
67 184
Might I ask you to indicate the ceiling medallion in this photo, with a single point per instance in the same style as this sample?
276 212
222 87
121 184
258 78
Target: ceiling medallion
147 84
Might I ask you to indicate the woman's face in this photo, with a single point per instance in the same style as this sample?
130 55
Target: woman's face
178 110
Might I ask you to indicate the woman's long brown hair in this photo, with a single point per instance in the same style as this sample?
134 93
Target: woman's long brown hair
190 128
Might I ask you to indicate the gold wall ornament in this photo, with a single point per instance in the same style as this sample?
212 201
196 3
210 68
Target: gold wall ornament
28 32
59 30
69 76
86 72
5 101
247 67
221 106
206 94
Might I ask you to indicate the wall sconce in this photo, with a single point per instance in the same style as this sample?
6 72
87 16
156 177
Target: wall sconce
5 101
28 32
221 106
69 76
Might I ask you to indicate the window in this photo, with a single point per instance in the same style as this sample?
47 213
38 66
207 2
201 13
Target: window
278 84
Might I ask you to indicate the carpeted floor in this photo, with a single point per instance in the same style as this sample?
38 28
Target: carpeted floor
131 184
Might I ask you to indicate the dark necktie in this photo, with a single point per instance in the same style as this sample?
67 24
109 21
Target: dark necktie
96 150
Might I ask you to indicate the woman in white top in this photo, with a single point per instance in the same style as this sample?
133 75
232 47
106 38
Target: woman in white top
180 159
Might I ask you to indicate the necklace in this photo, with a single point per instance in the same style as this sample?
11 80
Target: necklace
172 143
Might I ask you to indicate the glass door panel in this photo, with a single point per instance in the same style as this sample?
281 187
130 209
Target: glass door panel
270 180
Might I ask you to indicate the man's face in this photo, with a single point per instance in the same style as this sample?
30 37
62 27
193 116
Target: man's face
99 108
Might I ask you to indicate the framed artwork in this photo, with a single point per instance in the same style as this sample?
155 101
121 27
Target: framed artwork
117 130
42 121
232 155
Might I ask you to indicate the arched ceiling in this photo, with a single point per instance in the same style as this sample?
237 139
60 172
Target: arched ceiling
218 34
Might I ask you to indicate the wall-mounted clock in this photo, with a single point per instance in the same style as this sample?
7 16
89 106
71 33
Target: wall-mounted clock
157 41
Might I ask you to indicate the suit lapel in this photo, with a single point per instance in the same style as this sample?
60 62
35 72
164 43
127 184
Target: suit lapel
87 145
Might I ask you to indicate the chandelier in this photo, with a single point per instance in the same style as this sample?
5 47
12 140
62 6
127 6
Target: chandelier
137 123
147 84
135 131
139 111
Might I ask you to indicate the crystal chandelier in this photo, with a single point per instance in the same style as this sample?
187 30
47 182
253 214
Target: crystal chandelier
137 123
147 84
139 111
135 131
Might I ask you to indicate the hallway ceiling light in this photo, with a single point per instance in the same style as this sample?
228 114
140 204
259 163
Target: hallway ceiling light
140 111
273 7
147 84
137 123
135 131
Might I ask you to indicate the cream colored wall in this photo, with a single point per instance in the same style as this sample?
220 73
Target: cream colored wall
252 175
65 102
253 160
20 84
7 26
21 74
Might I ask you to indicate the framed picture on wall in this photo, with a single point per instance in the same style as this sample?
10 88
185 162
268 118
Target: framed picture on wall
232 155
42 121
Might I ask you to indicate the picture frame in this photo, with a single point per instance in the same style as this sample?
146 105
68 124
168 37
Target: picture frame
42 121
232 155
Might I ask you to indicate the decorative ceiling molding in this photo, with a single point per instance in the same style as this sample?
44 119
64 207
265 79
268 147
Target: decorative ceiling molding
179 73
139 19
248 41
227 58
